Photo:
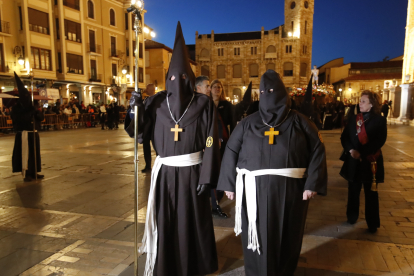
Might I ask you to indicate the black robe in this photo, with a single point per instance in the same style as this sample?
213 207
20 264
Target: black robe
356 170
243 109
281 211
186 243
22 120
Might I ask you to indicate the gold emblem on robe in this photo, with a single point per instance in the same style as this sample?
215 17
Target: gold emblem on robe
209 142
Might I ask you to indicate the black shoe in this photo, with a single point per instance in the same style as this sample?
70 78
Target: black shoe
350 221
219 213
372 230
40 176
146 170
28 179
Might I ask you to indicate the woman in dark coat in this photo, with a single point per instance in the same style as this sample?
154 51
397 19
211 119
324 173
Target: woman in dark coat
362 140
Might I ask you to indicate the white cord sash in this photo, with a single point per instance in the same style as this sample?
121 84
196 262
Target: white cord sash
150 238
250 186
25 151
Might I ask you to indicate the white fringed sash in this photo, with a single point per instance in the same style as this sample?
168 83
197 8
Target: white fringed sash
149 240
25 151
250 186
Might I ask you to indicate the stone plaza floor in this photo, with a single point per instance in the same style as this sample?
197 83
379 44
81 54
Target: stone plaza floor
79 219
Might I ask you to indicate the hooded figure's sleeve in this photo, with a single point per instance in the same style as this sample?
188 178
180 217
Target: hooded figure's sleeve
317 172
144 120
227 179
210 167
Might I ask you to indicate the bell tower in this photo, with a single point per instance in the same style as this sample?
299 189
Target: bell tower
299 18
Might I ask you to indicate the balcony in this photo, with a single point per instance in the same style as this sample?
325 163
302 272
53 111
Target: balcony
95 77
270 55
73 37
4 27
74 4
93 48
115 53
38 29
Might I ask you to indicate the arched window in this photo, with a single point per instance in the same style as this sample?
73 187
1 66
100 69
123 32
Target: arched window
271 49
112 17
303 69
221 71
91 12
254 70
205 70
271 66
204 53
237 71
288 69
237 91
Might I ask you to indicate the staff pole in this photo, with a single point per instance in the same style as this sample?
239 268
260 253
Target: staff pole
34 125
136 81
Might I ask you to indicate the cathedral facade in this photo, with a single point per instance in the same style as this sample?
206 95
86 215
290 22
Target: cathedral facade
238 58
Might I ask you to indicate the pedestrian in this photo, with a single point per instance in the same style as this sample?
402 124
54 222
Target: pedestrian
275 161
202 84
110 116
116 115
102 115
24 115
384 109
362 140
146 144
179 235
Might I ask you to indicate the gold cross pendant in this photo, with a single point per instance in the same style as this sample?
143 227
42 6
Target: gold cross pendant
176 130
271 133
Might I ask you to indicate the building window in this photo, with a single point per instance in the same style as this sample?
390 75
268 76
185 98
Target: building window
253 51
271 49
271 66
113 46
306 4
292 5
288 49
74 4
305 49
288 69
57 28
237 71
362 87
237 92
141 74
40 59
38 21
114 72
237 51
254 70
91 12
303 69
74 64
126 21
20 18
92 43
112 17
292 26
306 26
220 52
205 70
204 53
221 71
2 67
140 50
73 31
94 73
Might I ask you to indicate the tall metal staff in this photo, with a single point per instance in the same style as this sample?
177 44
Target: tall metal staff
31 74
137 7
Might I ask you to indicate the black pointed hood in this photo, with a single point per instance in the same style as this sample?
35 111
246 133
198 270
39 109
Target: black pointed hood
306 108
179 89
274 104
247 97
24 95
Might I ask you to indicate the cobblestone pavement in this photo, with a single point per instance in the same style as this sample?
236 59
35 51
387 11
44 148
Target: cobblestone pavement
79 219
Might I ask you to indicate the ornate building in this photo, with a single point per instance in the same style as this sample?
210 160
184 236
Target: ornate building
408 67
238 58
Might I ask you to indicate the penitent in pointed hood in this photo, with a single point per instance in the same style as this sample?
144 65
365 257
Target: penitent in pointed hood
247 98
180 77
24 95
306 108
274 104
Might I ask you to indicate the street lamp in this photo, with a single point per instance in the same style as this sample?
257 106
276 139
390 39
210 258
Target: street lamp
124 70
20 60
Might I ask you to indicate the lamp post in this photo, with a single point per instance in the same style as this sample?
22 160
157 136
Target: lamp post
137 8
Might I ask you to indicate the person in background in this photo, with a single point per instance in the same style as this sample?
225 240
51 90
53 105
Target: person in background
146 145
102 115
362 140
116 114
385 108
202 84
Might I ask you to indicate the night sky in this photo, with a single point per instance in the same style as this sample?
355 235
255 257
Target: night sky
358 30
